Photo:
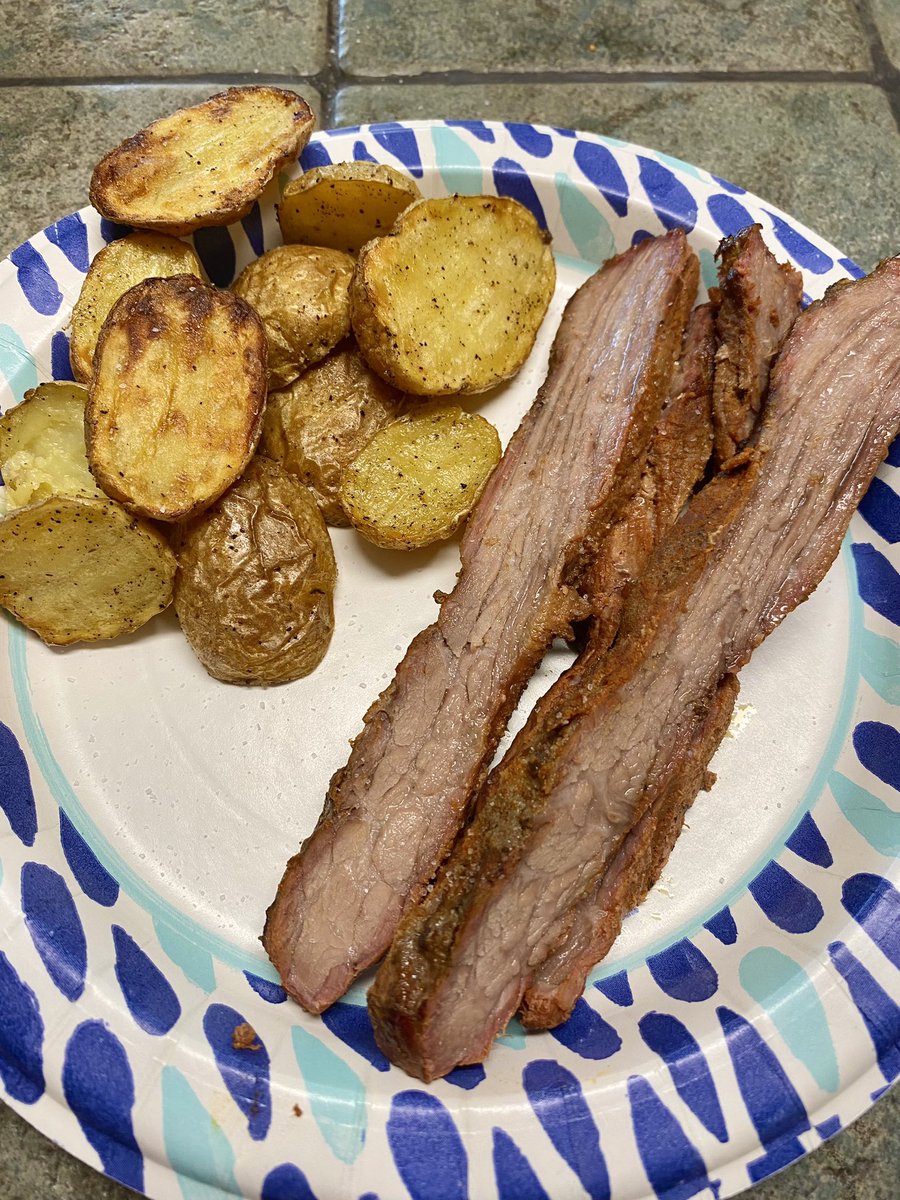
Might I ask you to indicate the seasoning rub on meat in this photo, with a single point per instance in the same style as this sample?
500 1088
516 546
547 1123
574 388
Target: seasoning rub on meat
393 812
752 545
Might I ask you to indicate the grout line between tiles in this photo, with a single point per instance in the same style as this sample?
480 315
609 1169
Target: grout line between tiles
884 71
333 78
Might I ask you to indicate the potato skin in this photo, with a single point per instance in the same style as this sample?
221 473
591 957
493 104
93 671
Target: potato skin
176 402
115 269
344 205
204 165
256 576
302 295
450 301
318 425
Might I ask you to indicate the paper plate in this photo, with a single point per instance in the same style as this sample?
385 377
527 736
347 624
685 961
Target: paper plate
749 1009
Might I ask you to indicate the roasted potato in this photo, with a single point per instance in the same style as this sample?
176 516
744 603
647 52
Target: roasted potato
42 450
204 165
302 295
78 568
116 268
318 425
176 402
452 299
256 578
344 205
418 478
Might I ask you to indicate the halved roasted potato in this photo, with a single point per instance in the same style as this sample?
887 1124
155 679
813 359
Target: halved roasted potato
42 451
255 586
203 165
418 478
318 425
302 295
79 568
115 269
452 299
177 398
344 205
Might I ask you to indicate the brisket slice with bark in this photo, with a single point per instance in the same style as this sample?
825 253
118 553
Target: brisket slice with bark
752 545
394 810
679 451
596 922
758 301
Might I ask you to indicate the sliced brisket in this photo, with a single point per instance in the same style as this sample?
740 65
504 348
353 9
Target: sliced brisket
679 451
551 819
747 273
597 919
394 810
758 301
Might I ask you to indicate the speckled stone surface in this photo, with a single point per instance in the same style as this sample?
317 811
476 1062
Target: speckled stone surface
887 22
47 177
610 35
85 39
796 100
766 137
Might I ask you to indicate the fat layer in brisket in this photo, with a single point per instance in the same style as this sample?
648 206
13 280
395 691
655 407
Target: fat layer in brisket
394 810
751 546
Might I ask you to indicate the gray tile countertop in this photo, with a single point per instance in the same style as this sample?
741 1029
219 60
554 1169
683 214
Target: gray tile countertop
796 100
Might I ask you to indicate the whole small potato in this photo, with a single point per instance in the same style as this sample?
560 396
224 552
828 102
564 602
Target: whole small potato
318 425
302 295
256 577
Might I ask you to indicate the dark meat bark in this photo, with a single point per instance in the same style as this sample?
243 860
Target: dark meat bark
679 451
560 980
758 301
393 812
597 920
752 545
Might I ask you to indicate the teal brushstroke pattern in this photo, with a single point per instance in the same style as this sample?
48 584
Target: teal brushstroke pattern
196 962
880 665
684 168
513 1036
466 173
783 988
589 230
868 815
198 1150
337 1095
17 365
709 276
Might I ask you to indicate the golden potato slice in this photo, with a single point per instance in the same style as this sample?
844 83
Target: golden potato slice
452 299
176 402
204 165
418 478
318 425
42 450
344 205
116 268
255 585
302 295
77 568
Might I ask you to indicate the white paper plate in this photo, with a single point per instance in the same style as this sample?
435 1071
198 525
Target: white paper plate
749 1009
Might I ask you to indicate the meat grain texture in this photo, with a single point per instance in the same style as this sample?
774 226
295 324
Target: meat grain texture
753 544
393 812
